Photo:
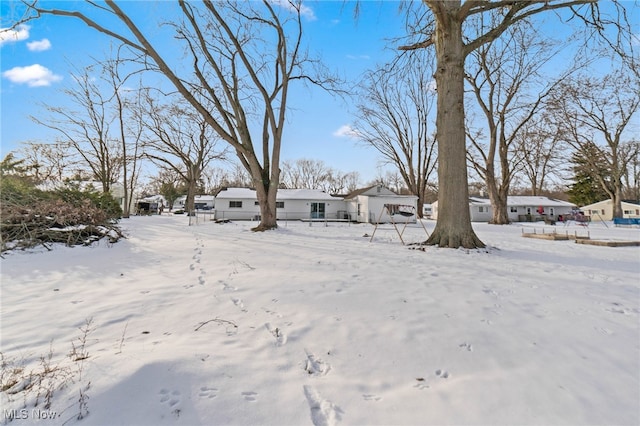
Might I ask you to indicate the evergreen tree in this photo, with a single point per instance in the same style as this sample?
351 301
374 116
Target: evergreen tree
588 164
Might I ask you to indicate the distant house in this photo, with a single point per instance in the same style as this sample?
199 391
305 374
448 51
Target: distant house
201 202
603 210
519 208
367 205
427 211
291 204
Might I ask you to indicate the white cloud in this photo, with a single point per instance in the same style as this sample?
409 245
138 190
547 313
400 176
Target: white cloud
33 75
39 46
305 11
346 131
10 35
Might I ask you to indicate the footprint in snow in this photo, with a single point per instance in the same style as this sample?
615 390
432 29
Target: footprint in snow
370 397
277 333
250 396
315 366
466 346
323 411
442 374
207 392
171 398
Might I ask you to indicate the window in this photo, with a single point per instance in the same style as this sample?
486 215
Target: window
255 203
628 212
514 210
481 209
280 204
602 211
235 204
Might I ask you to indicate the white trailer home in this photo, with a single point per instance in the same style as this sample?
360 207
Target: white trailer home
367 205
291 204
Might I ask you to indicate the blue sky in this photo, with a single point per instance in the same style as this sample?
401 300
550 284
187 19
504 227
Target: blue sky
37 65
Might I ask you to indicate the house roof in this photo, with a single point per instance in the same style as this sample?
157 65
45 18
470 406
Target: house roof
609 201
524 200
283 194
375 191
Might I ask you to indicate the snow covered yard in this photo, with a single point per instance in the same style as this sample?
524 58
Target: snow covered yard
214 325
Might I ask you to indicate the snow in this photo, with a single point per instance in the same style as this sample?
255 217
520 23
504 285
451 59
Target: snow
313 324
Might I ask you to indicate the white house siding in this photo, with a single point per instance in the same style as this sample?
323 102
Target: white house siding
603 210
296 204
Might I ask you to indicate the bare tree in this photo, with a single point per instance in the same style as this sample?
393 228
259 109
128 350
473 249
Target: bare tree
394 117
129 125
180 140
305 173
244 55
539 145
315 174
503 75
87 127
341 183
594 114
47 162
442 27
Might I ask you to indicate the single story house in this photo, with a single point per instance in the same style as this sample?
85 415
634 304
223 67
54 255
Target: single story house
603 210
291 204
367 205
201 202
519 208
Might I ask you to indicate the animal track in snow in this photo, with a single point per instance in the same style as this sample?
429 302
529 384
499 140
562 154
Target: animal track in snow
370 397
207 392
466 346
422 384
238 302
315 366
442 374
171 398
227 287
250 396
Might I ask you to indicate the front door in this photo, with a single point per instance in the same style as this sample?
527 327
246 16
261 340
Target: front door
317 210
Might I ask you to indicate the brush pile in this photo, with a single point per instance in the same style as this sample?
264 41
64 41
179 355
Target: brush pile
30 217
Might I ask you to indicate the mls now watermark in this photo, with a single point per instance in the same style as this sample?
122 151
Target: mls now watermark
24 414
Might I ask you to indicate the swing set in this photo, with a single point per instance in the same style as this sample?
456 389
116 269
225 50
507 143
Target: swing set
403 210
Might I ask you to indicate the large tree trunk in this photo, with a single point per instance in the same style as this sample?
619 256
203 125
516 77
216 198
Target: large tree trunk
266 195
453 228
190 204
